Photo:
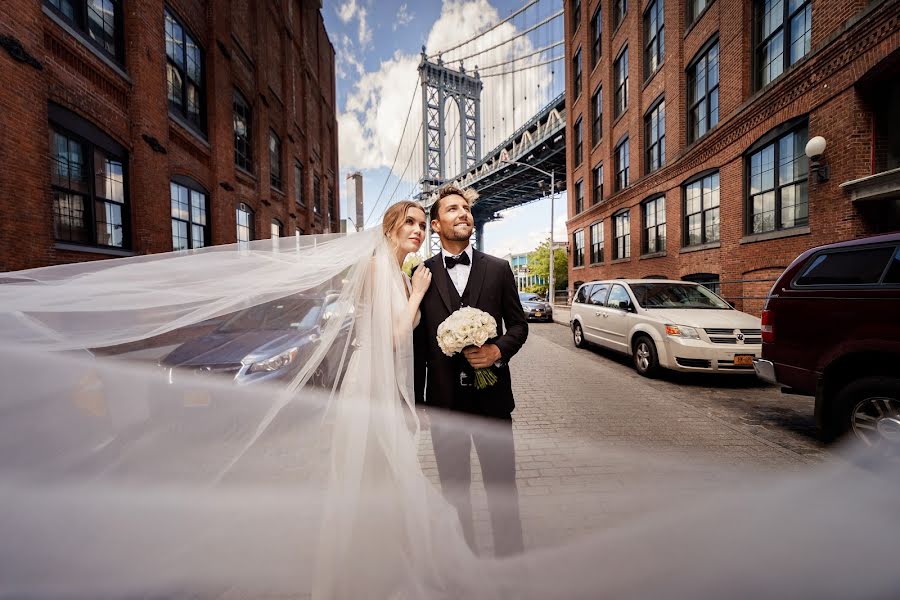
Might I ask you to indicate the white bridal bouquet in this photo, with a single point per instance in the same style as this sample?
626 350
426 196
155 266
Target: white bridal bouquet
468 327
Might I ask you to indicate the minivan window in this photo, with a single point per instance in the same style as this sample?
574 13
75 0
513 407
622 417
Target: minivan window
893 273
676 295
598 294
616 296
855 267
582 296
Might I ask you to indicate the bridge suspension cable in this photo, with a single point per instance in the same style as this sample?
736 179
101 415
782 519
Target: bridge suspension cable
406 168
488 30
526 68
412 101
522 33
518 58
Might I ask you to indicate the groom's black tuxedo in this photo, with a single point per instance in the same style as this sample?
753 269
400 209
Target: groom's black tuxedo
491 288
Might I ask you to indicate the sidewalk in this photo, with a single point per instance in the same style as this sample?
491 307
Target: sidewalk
561 314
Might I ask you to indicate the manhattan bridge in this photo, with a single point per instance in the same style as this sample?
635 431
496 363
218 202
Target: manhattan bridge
501 89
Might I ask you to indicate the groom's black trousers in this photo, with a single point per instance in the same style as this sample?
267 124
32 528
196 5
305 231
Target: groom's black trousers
494 443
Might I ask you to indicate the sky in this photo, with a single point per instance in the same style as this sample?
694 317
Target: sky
378 45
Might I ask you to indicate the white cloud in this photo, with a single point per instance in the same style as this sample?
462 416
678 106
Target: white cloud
403 17
365 32
347 10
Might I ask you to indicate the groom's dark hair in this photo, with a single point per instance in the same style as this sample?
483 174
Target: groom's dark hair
469 194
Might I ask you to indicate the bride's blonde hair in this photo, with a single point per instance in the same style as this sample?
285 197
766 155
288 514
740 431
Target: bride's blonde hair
395 214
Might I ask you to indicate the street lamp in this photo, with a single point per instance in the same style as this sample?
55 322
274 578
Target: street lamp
504 158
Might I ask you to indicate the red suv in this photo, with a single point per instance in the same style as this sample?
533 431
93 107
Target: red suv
831 329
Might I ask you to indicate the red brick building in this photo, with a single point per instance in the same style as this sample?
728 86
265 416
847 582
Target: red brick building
138 126
688 122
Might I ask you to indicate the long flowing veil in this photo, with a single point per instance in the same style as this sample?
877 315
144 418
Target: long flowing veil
238 422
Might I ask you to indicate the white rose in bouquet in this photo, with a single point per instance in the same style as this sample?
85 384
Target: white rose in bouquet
468 327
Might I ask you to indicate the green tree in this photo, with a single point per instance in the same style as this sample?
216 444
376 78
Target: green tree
539 265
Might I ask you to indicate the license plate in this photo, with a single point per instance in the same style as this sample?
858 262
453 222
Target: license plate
197 398
537 313
743 360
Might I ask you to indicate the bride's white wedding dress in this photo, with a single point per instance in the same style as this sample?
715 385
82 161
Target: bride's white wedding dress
230 475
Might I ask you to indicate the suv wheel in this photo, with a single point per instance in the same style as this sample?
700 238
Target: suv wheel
646 362
578 335
870 411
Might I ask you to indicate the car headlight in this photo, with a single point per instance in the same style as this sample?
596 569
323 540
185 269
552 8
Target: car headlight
279 361
682 331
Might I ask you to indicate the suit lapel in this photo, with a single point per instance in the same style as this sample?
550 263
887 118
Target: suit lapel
441 279
476 277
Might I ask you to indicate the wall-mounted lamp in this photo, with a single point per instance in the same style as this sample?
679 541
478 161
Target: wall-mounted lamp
815 148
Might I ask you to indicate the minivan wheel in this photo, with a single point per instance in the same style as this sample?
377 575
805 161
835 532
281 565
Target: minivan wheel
578 335
870 411
646 362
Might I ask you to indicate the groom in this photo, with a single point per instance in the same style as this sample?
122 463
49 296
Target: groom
463 276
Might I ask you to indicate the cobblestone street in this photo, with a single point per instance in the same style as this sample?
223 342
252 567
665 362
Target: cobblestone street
598 395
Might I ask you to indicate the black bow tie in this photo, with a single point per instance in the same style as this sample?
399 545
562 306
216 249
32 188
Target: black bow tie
452 261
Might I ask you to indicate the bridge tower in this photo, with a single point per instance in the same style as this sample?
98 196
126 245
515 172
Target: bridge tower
441 84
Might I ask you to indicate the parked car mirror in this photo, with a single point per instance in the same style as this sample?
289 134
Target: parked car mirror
626 305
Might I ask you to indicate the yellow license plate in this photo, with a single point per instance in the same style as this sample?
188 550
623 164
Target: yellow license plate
537 313
744 360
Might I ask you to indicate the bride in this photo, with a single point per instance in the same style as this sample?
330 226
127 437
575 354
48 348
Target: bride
242 472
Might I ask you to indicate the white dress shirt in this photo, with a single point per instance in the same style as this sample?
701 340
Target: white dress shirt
459 274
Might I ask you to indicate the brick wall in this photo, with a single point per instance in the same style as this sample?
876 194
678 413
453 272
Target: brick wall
849 39
126 99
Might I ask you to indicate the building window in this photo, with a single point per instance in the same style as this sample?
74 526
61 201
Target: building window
99 20
703 91
596 35
579 196
579 141
576 73
773 20
190 225
654 216
244 223
597 116
655 136
243 133
184 72
694 8
620 76
597 175
576 14
332 208
701 210
622 235
88 184
709 280
654 37
274 160
578 248
317 195
777 174
622 179
597 243
620 7
298 184
276 229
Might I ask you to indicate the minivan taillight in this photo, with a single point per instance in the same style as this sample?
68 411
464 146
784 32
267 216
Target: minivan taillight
768 327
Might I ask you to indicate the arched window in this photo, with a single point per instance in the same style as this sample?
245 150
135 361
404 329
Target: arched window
244 223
